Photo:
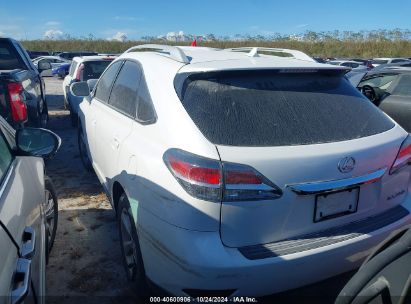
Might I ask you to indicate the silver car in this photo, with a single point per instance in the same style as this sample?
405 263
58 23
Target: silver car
28 212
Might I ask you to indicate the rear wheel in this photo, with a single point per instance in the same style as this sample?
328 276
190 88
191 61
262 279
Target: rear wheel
51 212
130 246
83 150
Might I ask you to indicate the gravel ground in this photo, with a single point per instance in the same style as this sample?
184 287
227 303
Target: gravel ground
86 259
85 265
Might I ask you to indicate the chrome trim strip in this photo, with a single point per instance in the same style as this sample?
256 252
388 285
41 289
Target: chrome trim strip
6 180
335 185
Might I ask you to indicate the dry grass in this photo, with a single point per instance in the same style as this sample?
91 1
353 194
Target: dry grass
328 48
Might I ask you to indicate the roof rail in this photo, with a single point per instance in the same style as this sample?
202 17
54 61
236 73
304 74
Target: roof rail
175 53
253 52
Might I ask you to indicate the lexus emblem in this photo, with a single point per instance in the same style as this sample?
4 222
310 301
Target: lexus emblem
346 164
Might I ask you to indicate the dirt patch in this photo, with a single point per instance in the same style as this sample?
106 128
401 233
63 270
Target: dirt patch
85 265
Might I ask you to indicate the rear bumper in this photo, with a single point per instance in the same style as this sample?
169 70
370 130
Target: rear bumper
177 259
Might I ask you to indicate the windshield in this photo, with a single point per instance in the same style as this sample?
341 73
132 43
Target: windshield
276 109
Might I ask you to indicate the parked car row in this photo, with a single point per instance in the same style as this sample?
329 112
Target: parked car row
229 171
234 164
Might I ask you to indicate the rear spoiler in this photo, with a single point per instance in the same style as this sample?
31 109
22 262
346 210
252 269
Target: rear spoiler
181 79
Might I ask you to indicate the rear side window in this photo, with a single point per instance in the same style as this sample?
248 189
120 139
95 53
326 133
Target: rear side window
124 94
9 58
103 87
94 69
145 110
403 87
256 108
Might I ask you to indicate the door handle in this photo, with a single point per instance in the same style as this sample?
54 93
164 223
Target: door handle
21 281
28 248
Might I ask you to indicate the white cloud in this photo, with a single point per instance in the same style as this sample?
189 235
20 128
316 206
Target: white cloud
52 23
119 36
53 35
302 25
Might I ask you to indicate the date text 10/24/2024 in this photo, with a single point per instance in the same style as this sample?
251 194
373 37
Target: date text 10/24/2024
203 300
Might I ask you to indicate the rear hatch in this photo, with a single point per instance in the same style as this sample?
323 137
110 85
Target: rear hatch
310 133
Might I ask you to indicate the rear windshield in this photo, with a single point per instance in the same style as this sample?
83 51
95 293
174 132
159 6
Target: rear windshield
9 58
279 109
94 69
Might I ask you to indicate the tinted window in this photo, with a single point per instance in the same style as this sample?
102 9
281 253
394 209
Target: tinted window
9 59
94 69
278 109
124 94
5 157
145 110
378 61
403 87
381 81
104 84
398 60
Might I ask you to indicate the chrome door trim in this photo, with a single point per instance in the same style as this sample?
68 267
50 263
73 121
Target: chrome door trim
336 185
7 178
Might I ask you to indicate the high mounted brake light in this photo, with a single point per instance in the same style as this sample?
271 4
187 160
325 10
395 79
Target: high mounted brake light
17 104
404 156
213 180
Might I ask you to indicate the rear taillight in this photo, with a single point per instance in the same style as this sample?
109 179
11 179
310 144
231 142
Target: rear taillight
213 180
403 157
79 71
244 183
17 104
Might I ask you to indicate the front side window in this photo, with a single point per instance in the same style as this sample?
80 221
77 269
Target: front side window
73 67
268 108
103 87
403 87
124 95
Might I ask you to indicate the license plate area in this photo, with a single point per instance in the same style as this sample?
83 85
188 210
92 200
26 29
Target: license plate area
335 204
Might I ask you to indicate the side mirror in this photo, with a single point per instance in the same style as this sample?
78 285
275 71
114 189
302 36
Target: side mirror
80 89
43 65
37 142
92 83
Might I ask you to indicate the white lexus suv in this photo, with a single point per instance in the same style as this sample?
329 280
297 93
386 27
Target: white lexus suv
241 172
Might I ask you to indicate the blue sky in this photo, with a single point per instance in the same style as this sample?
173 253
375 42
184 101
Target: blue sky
104 19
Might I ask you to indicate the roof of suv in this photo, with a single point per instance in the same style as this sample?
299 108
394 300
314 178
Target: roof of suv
93 58
210 59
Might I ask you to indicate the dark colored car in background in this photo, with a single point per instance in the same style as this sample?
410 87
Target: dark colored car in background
71 55
22 89
390 90
35 54
61 71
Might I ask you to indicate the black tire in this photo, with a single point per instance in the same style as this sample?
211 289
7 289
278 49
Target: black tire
51 213
83 150
130 247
